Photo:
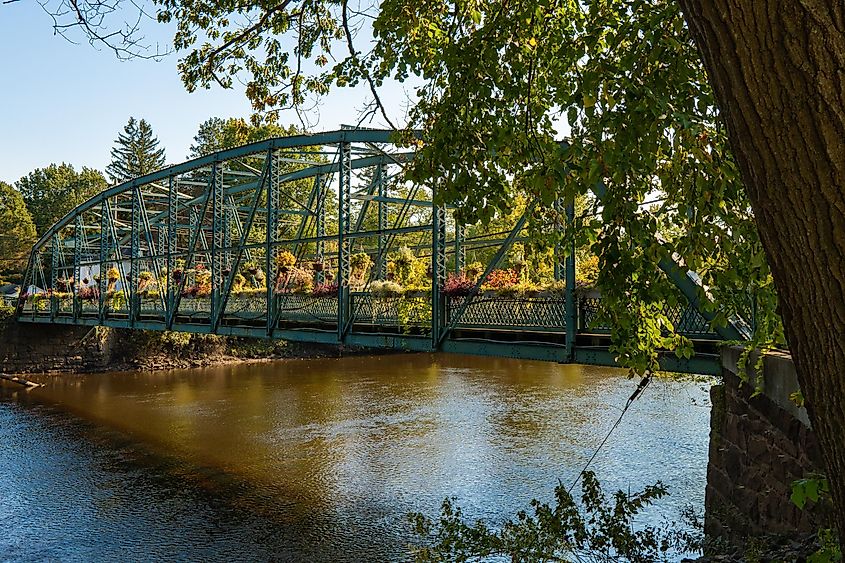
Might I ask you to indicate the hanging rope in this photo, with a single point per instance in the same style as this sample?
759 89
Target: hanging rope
634 396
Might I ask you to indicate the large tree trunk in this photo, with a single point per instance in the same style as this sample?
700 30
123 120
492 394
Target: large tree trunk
778 71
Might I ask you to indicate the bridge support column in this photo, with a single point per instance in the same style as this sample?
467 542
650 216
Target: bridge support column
438 274
218 213
131 291
78 239
172 215
381 257
273 173
460 252
105 243
320 220
54 274
571 311
344 243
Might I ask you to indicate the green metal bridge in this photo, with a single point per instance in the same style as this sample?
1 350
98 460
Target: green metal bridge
210 246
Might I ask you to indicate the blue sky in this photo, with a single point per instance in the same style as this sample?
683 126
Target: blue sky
64 102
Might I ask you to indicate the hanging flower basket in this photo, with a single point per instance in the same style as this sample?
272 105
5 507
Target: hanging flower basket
318 266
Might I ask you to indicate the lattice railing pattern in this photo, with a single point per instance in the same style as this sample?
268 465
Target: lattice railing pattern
527 313
306 308
392 311
685 318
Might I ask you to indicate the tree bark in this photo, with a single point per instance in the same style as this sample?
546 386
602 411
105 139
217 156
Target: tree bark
778 71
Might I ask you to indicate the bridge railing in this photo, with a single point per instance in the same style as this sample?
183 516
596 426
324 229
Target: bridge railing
406 313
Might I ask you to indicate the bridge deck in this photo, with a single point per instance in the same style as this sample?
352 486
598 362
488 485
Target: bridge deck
494 331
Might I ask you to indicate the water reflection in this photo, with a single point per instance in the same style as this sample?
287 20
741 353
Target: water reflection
321 459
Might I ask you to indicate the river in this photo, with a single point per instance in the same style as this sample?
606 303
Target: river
321 459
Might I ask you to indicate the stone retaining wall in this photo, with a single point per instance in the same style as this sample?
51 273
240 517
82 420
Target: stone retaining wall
30 348
759 444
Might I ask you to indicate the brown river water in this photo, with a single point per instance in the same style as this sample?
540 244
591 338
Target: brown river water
322 459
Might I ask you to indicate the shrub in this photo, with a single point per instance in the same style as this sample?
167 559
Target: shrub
324 290
89 293
407 269
285 260
602 528
117 299
501 279
474 270
385 289
250 267
113 274
360 262
458 285
557 288
298 280
587 271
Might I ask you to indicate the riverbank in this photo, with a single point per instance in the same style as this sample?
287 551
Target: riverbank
58 349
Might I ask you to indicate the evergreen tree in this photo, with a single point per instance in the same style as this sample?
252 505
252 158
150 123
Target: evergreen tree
136 152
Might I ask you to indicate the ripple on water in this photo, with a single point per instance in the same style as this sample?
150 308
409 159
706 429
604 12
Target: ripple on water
320 460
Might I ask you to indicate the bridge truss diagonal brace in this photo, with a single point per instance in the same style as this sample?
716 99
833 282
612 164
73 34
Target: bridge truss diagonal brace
690 287
506 245
195 235
229 279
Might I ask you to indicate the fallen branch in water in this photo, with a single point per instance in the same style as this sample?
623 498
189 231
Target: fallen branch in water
19 380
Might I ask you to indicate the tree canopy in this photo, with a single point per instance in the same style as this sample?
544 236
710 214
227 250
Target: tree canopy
52 192
500 85
216 134
136 152
17 231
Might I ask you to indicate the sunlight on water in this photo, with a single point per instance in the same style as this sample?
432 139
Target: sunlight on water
321 459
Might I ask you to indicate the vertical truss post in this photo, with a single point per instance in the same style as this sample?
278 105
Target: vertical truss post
320 219
438 274
559 263
105 242
54 275
344 243
234 262
78 239
228 213
217 234
571 311
133 298
172 211
460 251
381 258
274 173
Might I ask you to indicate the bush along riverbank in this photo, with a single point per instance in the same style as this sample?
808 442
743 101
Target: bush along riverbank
29 348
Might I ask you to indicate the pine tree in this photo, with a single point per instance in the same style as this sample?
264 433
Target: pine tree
135 153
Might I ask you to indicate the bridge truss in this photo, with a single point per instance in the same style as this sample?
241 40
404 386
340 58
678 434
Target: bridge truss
205 247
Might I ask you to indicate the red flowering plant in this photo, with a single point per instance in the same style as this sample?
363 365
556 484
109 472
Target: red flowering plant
89 293
501 279
458 285
324 290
